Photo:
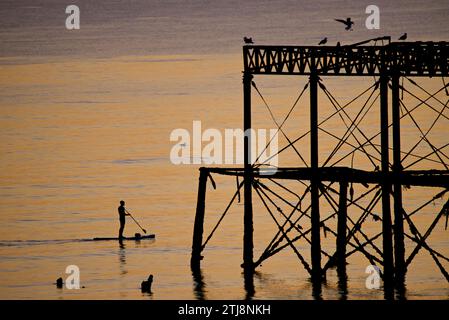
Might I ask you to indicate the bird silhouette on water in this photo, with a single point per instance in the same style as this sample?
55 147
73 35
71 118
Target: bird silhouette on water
348 23
59 283
403 37
248 40
324 41
146 285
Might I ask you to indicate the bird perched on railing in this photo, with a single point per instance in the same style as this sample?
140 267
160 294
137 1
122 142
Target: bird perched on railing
248 40
324 41
403 37
348 23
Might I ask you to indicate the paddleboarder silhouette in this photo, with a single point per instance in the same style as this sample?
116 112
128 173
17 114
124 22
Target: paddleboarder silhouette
122 213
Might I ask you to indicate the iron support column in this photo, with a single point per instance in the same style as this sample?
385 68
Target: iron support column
248 176
314 183
386 186
399 250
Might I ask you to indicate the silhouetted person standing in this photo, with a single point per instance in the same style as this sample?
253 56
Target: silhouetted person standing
122 213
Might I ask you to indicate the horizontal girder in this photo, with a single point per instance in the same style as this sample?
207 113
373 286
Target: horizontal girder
423 178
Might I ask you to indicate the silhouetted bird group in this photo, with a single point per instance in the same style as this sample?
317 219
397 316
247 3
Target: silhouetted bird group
348 23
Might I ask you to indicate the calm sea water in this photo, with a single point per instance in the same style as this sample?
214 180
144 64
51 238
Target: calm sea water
85 119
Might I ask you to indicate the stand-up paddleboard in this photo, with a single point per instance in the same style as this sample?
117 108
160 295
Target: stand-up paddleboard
136 237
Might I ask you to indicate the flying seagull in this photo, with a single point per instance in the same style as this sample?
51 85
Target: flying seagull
348 23
324 41
248 40
403 37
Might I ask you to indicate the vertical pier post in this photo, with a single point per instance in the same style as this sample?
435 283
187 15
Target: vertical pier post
248 176
314 183
341 226
197 243
399 250
387 241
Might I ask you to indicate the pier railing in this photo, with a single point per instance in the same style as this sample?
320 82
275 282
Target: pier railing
419 59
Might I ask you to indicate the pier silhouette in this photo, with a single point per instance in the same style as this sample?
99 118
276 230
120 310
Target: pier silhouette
376 194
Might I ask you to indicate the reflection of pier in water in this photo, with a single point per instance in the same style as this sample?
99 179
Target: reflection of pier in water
368 191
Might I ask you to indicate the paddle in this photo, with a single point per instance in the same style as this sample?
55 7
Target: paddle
144 231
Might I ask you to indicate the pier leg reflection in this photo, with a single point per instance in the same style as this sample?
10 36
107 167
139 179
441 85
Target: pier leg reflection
249 284
401 289
317 291
198 283
342 281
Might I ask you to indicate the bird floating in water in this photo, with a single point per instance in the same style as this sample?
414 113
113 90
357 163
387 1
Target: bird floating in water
324 41
403 37
348 23
146 285
59 283
248 40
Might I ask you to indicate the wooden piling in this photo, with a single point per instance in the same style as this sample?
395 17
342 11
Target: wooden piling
197 243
